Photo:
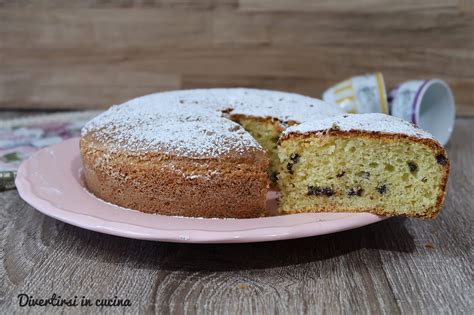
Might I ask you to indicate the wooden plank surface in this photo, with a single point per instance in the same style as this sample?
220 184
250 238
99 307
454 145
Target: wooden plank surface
396 266
92 53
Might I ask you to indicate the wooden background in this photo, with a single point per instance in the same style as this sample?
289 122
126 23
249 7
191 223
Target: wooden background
93 53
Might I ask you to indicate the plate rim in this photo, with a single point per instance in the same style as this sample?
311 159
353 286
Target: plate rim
134 231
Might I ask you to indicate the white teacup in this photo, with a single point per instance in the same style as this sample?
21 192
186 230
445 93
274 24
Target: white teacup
429 104
359 94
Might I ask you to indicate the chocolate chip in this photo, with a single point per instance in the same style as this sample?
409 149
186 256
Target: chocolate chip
314 191
289 167
382 189
355 192
412 166
327 191
341 174
320 191
441 159
294 157
274 176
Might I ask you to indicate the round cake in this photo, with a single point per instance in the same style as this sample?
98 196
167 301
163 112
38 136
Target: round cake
197 153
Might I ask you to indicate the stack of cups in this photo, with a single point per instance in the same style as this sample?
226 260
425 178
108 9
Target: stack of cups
429 104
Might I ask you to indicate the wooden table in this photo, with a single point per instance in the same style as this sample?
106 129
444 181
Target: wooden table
395 266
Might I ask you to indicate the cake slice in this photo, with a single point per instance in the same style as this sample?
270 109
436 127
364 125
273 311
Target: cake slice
362 163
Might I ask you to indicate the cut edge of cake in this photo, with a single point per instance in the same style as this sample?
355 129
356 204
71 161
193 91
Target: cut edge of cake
378 128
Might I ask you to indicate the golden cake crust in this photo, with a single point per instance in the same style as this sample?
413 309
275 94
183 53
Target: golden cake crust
233 185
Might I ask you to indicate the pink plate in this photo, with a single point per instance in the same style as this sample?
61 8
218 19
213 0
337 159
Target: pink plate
51 182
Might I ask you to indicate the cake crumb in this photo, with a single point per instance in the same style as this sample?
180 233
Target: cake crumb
335 127
429 245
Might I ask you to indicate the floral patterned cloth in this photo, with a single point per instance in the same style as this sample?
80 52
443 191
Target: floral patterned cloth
20 138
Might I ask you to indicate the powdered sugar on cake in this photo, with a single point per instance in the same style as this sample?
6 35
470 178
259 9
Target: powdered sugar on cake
361 122
190 122
280 105
185 130
250 102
